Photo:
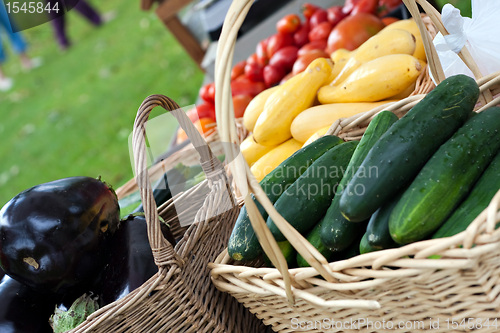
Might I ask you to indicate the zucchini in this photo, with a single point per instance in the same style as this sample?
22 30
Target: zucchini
338 233
477 200
305 202
243 243
446 178
404 149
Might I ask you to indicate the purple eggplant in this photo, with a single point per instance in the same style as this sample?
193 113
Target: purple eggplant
24 310
131 262
55 236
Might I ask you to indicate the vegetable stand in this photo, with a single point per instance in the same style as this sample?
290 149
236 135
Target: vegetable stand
449 281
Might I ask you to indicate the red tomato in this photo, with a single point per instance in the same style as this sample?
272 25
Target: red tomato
273 75
261 52
320 32
308 9
301 36
238 69
254 71
252 59
206 110
386 6
207 92
240 78
284 58
316 45
240 103
349 6
304 60
389 20
192 114
335 15
318 17
278 41
244 86
353 31
360 6
365 6
288 24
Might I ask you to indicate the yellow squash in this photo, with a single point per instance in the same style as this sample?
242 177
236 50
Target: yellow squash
291 98
340 58
318 134
255 108
393 41
411 26
252 151
273 158
321 116
405 93
375 80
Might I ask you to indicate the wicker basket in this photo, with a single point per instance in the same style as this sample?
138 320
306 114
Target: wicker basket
180 297
396 290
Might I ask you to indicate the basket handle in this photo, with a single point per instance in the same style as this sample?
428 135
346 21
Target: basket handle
434 63
245 180
163 252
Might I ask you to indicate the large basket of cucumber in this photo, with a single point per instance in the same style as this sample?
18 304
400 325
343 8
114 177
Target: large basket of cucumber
387 223
180 296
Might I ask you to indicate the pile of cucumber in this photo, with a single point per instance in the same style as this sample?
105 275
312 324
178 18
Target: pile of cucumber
426 175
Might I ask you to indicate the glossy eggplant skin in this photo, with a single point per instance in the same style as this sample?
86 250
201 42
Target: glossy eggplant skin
24 310
131 262
54 236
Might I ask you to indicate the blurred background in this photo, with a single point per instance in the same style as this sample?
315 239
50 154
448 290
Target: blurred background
72 113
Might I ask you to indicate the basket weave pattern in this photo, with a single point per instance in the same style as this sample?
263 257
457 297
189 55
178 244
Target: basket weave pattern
397 285
180 297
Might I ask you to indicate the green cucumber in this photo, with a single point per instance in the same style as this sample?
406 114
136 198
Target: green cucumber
446 178
288 252
305 202
337 232
243 243
353 249
377 231
364 246
404 149
314 238
476 201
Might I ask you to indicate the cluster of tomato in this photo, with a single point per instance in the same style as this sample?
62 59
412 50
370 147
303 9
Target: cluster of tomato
292 47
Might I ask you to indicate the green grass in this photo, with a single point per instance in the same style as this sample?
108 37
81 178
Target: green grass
73 115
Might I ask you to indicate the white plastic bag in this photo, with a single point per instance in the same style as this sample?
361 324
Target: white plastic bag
478 34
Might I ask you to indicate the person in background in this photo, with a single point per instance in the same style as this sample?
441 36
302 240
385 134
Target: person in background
19 46
59 22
